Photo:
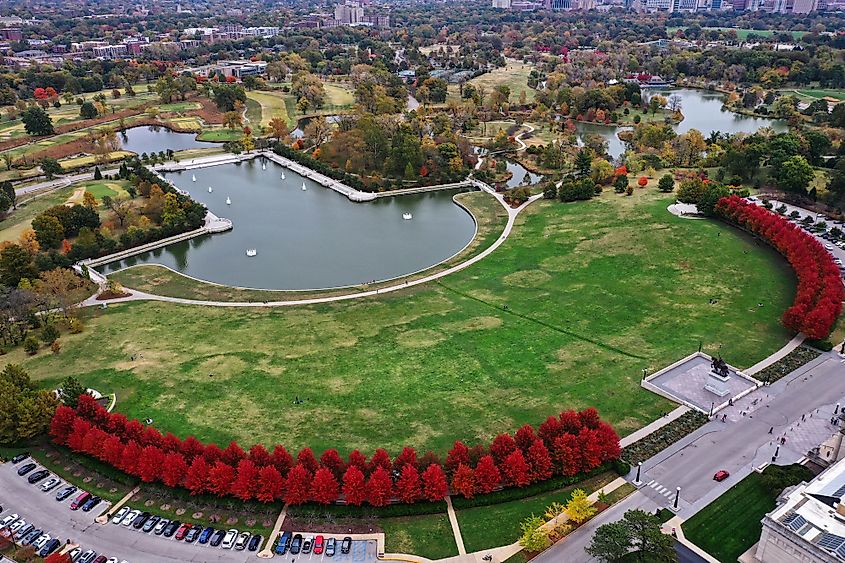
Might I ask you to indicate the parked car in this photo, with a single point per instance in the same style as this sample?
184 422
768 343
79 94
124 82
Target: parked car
65 492
150 523
229 540
192 534
159 528
51 546
111 560
32 536
118 516
88 556
26 468
330 547
296 544
37 476
346 545
75 554
50 484
41 540
140 520
91 503
20 457
240 543
21 532
254 542
80 500
206 535
130 517
100 559
217 537
8 520
171 528
283 545
14 528
307 544
318 545
182 531
721 475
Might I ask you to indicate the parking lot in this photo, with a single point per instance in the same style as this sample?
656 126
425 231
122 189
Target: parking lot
42 509
361 552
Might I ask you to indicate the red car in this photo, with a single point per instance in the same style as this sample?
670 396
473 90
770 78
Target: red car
721 475
183 529
319 544
80 500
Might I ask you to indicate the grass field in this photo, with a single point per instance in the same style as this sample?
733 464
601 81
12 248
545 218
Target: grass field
486 527
595 291
220 135
17 221
742 34
514 75
743 506
428 536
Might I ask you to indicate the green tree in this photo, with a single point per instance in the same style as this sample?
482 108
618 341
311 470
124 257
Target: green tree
165 88
583 162
692 190
51 167
15 265
71 390
225 96
795 174
88 110
638 531
611 542
620 184
48 230
534 537
36 122
666 183
579 507
708 201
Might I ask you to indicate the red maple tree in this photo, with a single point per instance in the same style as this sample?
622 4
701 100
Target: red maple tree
196 480
298 490
463 481
379 487
246 481
174 469
408 487
271 484
434 486
354 486
324 487
220 479
487 475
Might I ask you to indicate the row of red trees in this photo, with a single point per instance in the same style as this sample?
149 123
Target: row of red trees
818 300
569 444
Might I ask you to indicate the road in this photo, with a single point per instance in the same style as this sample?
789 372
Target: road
42 509
738 445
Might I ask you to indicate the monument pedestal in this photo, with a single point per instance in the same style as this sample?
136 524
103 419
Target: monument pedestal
717 384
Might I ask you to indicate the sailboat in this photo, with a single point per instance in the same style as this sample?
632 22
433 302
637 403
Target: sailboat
228 201
209 189
283 175
193 177
407 216
303 187
263 166
251 252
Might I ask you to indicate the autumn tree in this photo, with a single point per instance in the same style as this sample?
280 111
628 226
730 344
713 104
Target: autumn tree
516 469
246 482
434 485
271 484
408 485
279 129
579 508
197 479
324 487
379 487
150 464
354 487
298 485
306 458
174 469
332 461
463 481
220 479
457 455
539 461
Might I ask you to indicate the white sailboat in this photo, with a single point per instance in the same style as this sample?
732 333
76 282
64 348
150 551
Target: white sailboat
283 175
303 187
209 189
407 216
228 201
251 252
193 177
263 166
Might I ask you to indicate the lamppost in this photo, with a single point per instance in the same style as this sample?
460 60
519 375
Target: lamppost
677 496
712 406
645 372
639 468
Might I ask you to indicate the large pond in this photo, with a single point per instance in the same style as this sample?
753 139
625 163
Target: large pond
308 239
154 139
702 110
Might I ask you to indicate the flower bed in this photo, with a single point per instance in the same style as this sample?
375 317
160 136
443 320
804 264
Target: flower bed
663 437
573 444
818 300
787 364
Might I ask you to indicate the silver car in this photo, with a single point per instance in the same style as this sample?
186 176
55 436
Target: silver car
229 539
130 517
50 484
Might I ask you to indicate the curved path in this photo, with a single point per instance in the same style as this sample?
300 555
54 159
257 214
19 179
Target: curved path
512 215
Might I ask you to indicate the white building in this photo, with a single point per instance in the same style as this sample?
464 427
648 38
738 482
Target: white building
808 526
349 13
502 4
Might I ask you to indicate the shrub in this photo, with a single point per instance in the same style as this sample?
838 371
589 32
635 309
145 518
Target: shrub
49 333
74 326
56 347
31 345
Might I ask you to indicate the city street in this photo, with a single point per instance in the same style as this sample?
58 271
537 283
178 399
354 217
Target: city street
737 445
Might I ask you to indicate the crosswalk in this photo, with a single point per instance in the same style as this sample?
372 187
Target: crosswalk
660 489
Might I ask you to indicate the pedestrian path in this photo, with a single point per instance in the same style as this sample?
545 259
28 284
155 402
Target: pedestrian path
456 529
657 487
656 425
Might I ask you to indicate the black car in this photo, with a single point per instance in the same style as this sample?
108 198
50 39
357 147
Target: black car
254 541
296 544
20 457
51 546
31 537
26 469
37 476
140 520
171 528
217 538
151 523
64 493
91 503
206 535
192 534
346 545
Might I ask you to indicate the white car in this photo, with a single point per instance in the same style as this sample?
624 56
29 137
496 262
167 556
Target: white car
240 545
162 524
41 541
111 560
119 515
50 484
74 555
229 539
8 520
17 525
88 556
130 517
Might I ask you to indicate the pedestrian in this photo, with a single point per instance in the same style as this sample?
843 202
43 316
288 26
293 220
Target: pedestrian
771 429
802 417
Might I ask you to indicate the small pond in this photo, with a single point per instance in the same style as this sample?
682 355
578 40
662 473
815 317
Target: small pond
150 139
308 239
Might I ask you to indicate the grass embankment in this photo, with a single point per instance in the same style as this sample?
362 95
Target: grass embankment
730 525
514 75
595 291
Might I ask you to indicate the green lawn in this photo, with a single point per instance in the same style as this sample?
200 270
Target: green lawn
742 507
742 34
486 527
19 220
595 291
427 536
220 135
514 75
270 105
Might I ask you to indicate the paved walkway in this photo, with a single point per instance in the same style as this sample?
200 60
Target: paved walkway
456 529
656 425
267 552
777 356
